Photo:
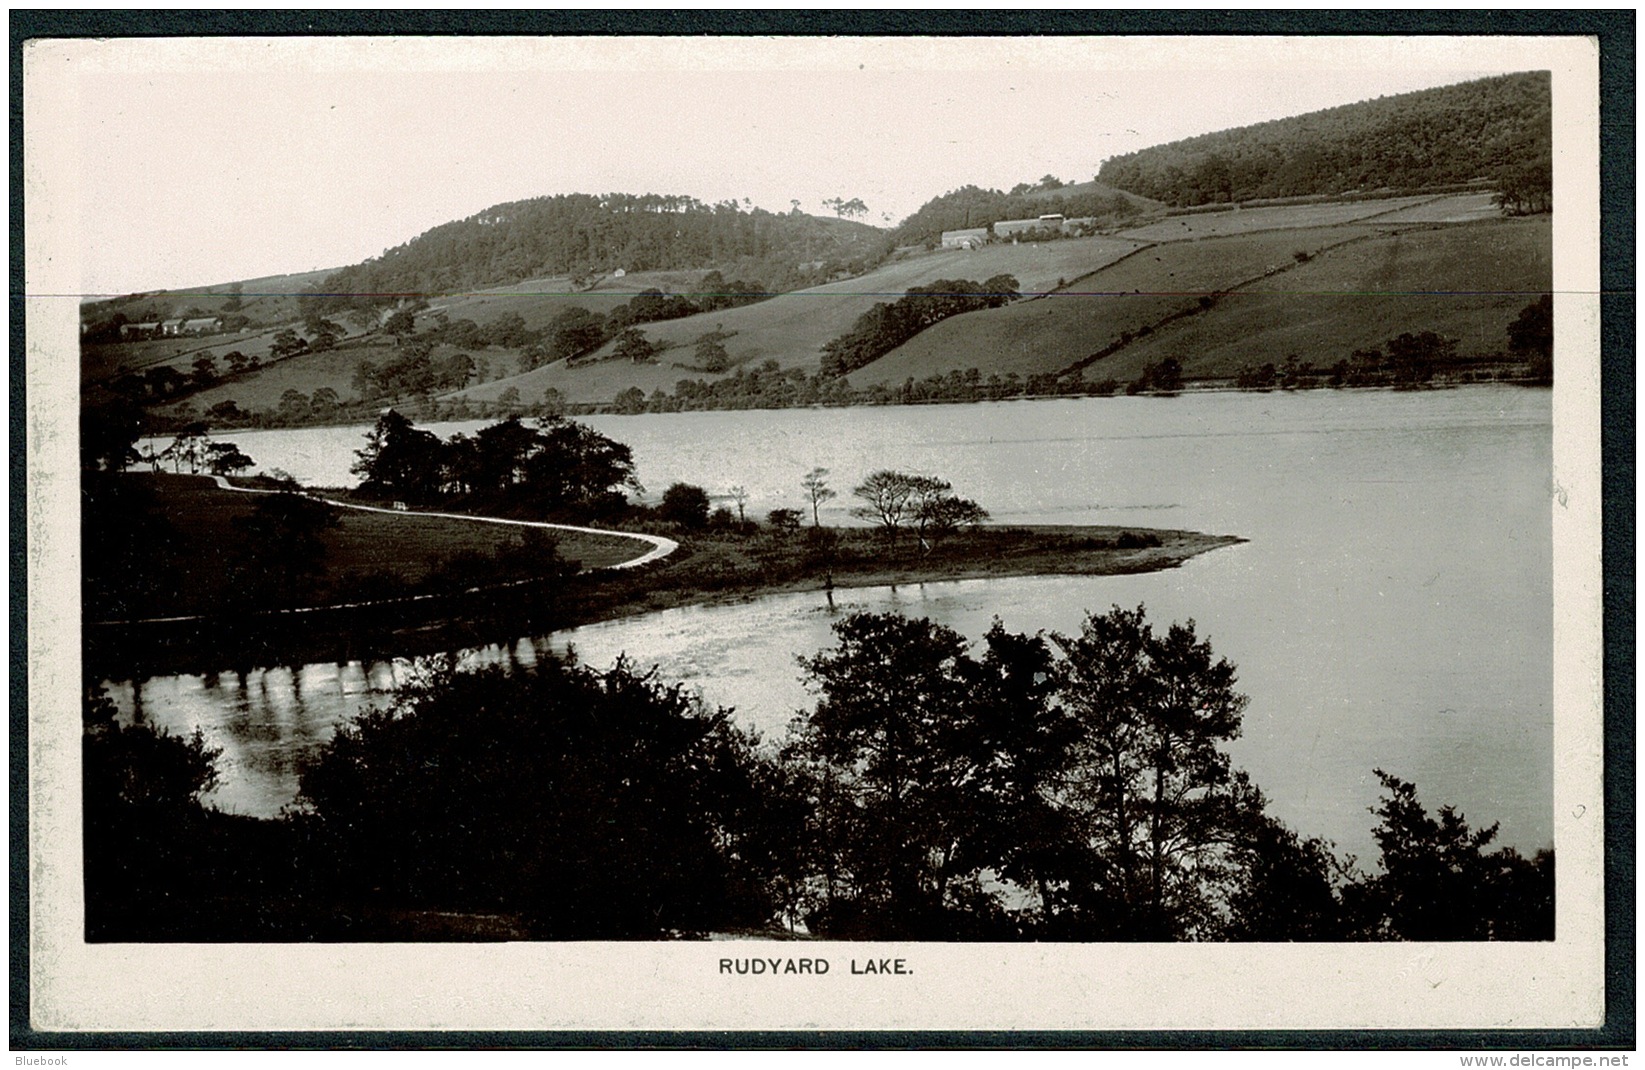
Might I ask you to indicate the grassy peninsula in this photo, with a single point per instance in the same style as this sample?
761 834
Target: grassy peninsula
185 575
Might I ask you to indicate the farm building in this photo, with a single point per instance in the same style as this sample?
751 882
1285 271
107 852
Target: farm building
1007 228
138 330
973 238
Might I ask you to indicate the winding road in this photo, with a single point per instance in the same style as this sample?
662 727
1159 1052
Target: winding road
661 547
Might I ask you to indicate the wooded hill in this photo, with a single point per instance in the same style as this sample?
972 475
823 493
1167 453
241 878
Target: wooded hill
1480 129
586 237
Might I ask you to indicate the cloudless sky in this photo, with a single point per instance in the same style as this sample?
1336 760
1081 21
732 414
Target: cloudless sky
266 160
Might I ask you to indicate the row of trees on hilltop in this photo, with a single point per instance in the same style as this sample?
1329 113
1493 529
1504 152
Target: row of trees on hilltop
1488 128
586 236
1063 787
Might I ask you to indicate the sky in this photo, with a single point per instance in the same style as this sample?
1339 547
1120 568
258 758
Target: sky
200 167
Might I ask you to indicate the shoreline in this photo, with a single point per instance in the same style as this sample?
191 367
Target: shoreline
1176 548
707 572
576 410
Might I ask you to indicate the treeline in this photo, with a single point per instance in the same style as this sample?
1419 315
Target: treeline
1035 787
887 326
1489 128
585 237
559 467
975 206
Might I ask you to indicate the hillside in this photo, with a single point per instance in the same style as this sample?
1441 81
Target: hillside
792 328
585 237
1453 134
1327 292
263 302
1466 283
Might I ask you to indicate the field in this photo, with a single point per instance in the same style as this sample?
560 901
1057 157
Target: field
1279 217
1468 208
539 300
1463 282
407 548
791 329
265 301
1134 294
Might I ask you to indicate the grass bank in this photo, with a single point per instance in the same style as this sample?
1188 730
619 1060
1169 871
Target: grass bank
421 585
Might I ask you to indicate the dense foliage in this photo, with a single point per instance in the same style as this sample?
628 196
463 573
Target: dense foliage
557 467
587 236
599 805
1489 128
1063 787
887 326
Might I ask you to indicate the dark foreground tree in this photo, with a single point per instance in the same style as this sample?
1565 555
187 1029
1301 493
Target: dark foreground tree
595 805
1155 797
142 815
1439 883
889 782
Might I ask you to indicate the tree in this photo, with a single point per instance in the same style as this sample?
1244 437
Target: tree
399 459
324 401
1165 377
509 398
572 331
1526 188
630 401
1437 882
287 343
739 495
685 505
108 436
945 514
294 406
401 324
595 805
1411 357
815 485
891 498
853 209
633 347
784 520
143 820
1531 336
188 448
553 403
1157 802
205 370
323 333
711 354
225 459
890 694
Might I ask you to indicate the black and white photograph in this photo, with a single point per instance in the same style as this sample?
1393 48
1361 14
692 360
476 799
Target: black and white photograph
814 532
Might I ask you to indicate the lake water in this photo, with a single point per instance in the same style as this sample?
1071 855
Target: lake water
1392 609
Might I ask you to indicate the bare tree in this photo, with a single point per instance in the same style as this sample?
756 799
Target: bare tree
816 488
887 496
739 494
